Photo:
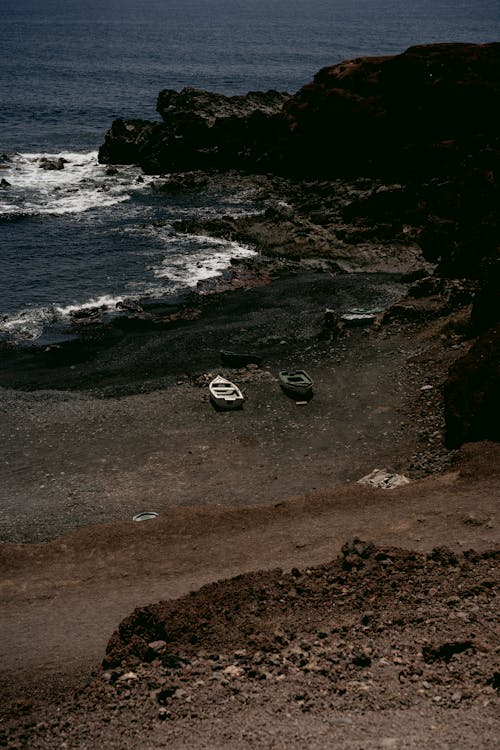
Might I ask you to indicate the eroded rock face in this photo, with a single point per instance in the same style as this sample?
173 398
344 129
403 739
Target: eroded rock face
127 140
428 118
211 106
472 405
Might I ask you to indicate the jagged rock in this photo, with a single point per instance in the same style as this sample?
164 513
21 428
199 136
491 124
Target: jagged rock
417 112
200 130
210 106
421 112
126 140
52 164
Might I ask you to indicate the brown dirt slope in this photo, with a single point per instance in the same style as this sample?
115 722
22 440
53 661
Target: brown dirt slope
381 648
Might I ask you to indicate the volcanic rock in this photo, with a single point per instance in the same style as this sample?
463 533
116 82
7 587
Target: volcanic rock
416 113
472 406
200 130
419 113
52 164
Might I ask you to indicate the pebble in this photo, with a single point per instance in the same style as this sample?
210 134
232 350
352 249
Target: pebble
234 671
341 721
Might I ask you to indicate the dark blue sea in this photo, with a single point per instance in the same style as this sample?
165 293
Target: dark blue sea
79 237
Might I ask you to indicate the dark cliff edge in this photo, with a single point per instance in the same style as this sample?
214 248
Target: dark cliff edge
417 113
428 118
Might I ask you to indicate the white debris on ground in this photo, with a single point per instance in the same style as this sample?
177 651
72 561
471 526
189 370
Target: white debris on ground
384 479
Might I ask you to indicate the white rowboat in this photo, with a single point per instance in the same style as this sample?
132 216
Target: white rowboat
224 394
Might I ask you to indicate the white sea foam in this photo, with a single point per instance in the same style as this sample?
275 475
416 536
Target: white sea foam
106 301
30 324
82 184
27 325
192 258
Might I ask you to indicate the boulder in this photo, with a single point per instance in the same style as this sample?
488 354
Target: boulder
52 164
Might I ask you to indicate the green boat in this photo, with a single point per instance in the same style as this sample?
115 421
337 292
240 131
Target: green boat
296 382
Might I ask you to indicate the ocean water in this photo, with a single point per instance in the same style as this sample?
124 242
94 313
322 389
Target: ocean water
78 237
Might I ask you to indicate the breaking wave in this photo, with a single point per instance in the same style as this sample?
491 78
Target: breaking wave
192 258
64 183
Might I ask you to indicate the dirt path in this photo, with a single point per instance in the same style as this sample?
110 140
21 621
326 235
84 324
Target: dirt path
62 600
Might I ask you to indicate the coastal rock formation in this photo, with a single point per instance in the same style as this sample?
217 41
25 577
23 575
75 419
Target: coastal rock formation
51 165
428 118
417 113
200 130
127 140
212 107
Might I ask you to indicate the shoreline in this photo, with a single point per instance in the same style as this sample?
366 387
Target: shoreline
96 430
98 427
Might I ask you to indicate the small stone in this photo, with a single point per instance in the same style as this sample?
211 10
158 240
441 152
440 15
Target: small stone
341 721
234 671
157 646
128 677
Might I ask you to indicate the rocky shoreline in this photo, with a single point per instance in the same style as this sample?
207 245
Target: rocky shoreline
380 165
423 126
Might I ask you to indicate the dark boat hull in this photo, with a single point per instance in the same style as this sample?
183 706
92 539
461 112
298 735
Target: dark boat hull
240 359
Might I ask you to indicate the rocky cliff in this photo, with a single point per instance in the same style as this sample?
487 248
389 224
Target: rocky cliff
419 112
428 118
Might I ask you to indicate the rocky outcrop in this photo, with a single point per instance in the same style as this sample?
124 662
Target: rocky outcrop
172 105
51 165
127 140
414 113
200 130
418 113
428 118
472 405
